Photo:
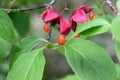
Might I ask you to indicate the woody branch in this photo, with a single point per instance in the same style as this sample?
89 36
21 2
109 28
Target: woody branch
112 7
33 8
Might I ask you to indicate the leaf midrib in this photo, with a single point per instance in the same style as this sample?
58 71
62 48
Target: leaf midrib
32 43
83 56
31 64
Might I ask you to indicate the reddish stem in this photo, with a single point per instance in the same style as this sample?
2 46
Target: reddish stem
112 7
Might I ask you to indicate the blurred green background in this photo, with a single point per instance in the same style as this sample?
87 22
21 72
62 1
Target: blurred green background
28 23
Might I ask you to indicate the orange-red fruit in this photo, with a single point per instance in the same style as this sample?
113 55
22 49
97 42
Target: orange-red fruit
77 36
91 15
46 27
61 39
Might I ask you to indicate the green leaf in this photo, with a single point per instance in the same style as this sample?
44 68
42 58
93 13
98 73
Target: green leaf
71 77
117 49
4 67
95 31
95 23
89 61
94 27
28 66
27 44
15 51
21 22
115 28
4 49
108 17
61 50
98 4
118 71
7 31
118 5
30 42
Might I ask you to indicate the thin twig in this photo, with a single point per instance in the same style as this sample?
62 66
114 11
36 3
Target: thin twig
25 9
33 8
65 2
112 7
52 2
11 3
65 7
49 33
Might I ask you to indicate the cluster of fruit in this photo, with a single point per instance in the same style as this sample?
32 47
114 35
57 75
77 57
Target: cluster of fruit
78 16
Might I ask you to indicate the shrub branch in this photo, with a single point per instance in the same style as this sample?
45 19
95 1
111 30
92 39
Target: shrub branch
33 8
112 7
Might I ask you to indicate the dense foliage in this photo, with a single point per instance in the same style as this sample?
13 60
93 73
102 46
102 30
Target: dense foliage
88 60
